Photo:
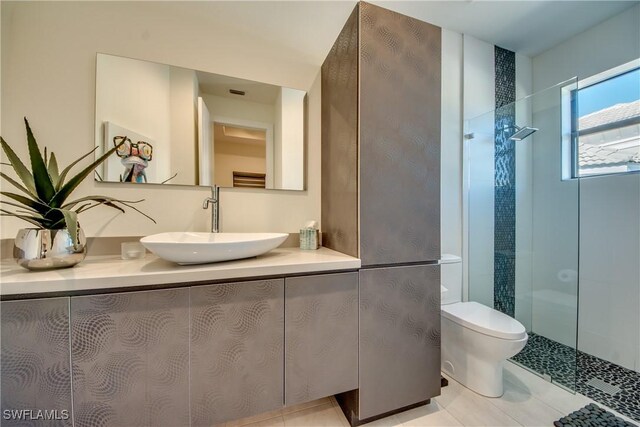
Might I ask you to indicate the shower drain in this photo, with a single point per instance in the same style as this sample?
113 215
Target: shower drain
604 386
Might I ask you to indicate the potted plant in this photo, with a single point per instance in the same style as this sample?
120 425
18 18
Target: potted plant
57 240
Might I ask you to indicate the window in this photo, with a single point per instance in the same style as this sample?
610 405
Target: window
605 123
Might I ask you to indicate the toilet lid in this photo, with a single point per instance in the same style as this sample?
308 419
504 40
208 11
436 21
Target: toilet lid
485 320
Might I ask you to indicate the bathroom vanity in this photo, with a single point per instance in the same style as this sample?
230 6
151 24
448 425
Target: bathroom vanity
148 342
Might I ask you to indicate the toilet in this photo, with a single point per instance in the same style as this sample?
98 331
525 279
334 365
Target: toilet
476 339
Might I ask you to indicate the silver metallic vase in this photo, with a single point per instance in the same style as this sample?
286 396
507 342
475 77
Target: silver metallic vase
38 249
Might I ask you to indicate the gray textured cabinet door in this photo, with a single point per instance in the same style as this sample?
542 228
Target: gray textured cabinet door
399 138
399 337
35 360
237 350
130 355
321 336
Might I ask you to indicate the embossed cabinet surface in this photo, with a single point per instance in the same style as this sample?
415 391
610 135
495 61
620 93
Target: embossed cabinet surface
399 337
321 336
35 360
340 142
130 356
400 66
237 354
381 102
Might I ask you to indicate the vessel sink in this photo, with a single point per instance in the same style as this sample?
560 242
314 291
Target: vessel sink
201 248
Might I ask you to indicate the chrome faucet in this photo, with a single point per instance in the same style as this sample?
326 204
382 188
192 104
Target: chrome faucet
215 211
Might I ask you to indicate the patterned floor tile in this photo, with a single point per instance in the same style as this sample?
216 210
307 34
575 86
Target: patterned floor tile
598 379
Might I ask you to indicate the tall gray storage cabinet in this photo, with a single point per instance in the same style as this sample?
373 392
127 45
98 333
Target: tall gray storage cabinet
381 101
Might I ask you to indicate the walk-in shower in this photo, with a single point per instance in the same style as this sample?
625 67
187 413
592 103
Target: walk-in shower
522 250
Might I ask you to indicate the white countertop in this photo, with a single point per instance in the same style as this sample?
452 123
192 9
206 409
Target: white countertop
101 273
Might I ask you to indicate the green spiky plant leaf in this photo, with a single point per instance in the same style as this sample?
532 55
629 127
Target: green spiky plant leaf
45 189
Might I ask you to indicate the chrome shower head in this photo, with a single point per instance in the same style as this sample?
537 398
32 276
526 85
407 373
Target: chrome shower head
521 133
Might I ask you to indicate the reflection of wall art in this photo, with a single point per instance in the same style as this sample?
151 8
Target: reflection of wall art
135 157
131 162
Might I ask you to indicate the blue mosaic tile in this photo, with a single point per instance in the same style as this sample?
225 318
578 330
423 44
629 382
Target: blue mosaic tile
505 183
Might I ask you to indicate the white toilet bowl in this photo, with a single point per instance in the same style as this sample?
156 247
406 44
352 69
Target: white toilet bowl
476 341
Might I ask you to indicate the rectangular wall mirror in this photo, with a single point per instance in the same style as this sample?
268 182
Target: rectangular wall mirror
188 127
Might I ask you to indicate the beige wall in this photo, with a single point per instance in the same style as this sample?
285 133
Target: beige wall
184 98
48 74
230 157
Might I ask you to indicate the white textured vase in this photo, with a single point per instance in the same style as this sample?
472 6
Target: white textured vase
39 249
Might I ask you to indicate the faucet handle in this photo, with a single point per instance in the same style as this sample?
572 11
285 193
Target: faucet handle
215 196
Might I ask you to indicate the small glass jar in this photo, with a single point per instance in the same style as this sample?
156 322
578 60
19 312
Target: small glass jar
309 238
132 250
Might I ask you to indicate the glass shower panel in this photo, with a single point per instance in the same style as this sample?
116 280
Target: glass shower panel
522 224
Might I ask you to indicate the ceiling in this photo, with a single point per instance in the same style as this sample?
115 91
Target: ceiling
307 29
527 27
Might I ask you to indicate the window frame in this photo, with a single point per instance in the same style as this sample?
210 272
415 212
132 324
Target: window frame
575 133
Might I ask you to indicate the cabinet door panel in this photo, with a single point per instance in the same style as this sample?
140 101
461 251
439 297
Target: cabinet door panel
399 337
35 359
399 138
130 354
237 350
321 336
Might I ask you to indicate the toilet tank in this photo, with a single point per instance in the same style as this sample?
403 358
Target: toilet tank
451 278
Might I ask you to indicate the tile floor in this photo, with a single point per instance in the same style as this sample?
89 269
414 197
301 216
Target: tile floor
577 370
528 401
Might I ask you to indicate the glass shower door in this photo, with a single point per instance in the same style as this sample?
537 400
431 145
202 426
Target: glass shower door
522 220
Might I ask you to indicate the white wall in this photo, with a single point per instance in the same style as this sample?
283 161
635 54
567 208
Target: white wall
451 144
59 72
277 142
555 227
451 160
609 269
479 102
609 278
292 139
524 194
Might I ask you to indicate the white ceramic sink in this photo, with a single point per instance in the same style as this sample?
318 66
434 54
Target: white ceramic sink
201 248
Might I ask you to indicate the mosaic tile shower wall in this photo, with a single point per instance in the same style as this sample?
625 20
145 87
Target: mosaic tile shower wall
505 183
